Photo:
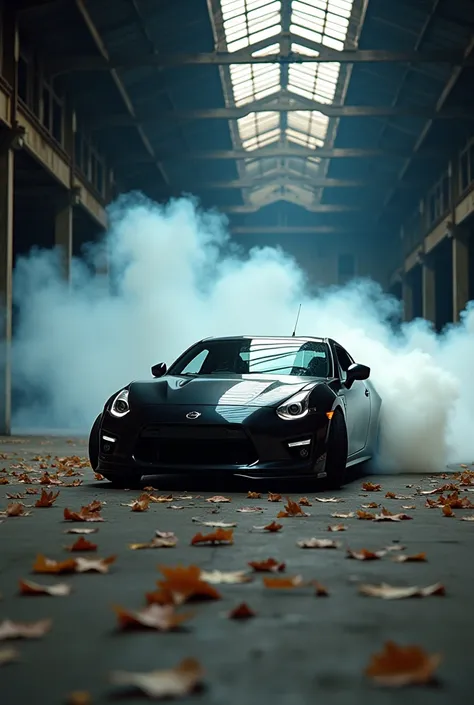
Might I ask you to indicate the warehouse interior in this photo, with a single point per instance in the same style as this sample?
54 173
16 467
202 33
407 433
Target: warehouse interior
341 130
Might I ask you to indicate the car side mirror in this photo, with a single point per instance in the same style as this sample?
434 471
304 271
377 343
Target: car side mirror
159 370
356 372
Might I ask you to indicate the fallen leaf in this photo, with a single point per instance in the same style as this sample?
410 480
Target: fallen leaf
389 592
319 590
79 697
392 517
98 565
254 495
242 611
160 617
216 577
218 499
365 515
471 518
182 584
184 497
24 630
343 515
417 558
292 509
98 476
18 495
370 505
395 547
82 545
274 497
4 481
47 499
157 542
85 514
399 666
337 527
15 509
81 531
251 510
219 536
170 683
408 506
273 527
364 555
174 506
28 587
161 499
447 511
325 500
215 524
47 565
318 543
371 487
270 565
283 583
304 502
8 656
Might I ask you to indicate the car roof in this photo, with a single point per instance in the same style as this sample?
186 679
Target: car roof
302 338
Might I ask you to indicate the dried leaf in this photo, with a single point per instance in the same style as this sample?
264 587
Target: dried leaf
447 511
251 510
320 590
215 524
4 481
216 577
364 555
337 527
370 505
15 509
98 565
318 543
157 542
326 500
292 509
170 683
470 518
392 517
270 565
304 502
183 584
371 487
273 527
242 611
79 697
85 514
47 565
399 666
283 583
367 516
81 531
219 536
254 495
408 506
28 587
417 558
160 617
343 515
218 499
389 592
174 506
47 499
161 499
8 656
24 630
274 497
82 545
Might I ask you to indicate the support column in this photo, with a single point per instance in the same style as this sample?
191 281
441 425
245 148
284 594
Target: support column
407 296
460 273
428 283
63 230
6 272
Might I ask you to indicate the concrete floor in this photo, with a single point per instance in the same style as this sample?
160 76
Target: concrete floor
298 650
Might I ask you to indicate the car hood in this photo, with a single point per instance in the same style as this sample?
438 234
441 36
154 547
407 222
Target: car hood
229 390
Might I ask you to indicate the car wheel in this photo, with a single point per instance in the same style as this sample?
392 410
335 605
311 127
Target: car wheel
336 451
94 443
127 480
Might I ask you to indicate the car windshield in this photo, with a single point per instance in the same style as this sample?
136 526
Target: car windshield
255 356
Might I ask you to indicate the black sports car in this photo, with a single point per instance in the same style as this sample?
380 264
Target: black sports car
251 407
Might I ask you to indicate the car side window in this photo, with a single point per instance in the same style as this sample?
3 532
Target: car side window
195 365
343 359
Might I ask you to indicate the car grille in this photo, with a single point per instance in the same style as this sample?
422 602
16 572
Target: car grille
198 446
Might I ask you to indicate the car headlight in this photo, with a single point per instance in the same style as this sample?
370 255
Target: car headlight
120 406
296 407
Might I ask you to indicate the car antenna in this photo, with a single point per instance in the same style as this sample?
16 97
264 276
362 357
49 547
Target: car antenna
297 319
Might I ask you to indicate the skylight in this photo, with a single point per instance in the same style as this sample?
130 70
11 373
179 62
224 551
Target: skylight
259 24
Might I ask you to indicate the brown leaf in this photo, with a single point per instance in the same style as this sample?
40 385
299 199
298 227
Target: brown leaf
399 666
447 511
329 500
82 545
274 497
392 517
182 584
251 510
370 505
161 499
90 512
320 590
98 476
157 542
215 524
8 656
273 527
337 527
160 617
408 506
47 499
47 565
304 502
18 495
371 487
79 697
283 583
216 577
242 611
470 518
218 499
364 555
389 592
318 543
24 630
270 565
28 587
171 683
254 495
4 481
220 536
98 565
417 558
15 509
343 515
292 509
365 515
138 505
81 531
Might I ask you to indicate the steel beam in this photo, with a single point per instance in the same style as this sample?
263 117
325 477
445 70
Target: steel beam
295 230
281 153
60 64
104 57
288 180
311 208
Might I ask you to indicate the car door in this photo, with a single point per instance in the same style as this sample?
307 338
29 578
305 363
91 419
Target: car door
356 401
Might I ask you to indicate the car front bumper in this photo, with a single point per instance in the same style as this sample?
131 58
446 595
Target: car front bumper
251 442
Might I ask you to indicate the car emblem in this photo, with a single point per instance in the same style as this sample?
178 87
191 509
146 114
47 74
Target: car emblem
193 415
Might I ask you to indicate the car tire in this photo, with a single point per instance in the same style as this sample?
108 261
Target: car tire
124 479
337 449
94 443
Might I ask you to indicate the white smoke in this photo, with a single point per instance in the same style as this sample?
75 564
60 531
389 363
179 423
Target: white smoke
176 278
